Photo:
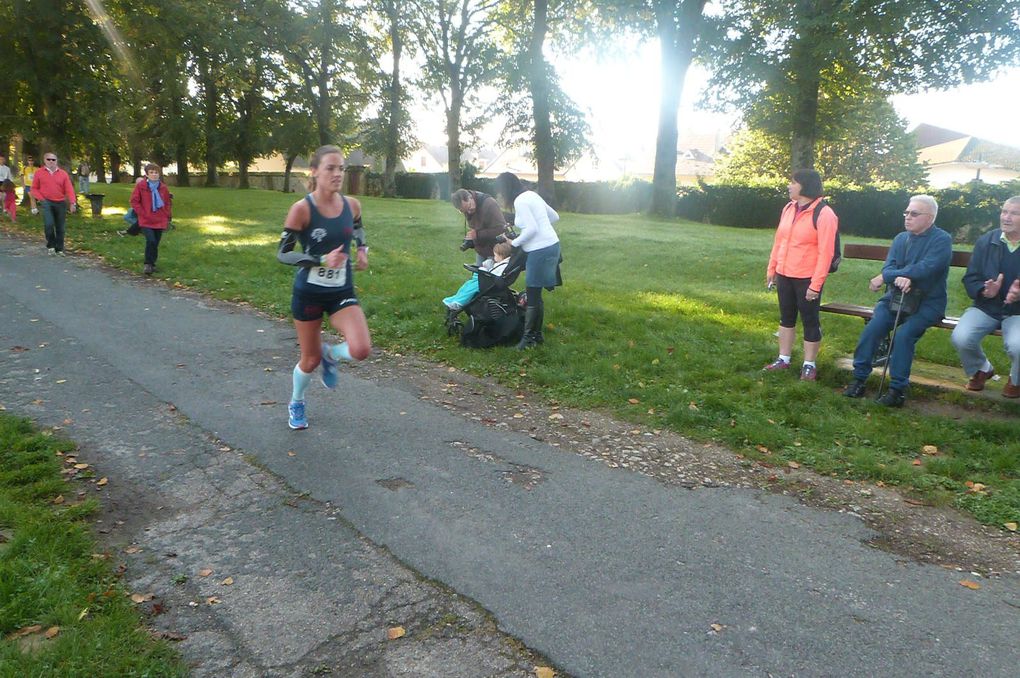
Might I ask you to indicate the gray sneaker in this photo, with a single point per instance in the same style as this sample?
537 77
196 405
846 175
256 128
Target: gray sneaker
50 251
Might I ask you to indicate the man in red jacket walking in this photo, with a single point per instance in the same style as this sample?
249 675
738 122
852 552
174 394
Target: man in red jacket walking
52 189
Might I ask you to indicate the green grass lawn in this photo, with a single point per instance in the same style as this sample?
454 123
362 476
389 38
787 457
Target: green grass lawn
671 314
51 579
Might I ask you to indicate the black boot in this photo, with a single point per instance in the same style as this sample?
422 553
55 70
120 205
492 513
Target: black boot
538 324
531 315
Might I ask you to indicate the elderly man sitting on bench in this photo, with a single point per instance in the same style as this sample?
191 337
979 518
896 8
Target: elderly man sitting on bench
992 280
918 265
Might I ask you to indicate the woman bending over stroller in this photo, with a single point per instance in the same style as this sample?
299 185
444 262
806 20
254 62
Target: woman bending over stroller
534 219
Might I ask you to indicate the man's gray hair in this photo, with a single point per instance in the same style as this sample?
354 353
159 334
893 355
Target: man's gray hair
929 202
1012 201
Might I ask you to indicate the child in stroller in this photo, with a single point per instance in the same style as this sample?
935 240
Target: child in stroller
491 307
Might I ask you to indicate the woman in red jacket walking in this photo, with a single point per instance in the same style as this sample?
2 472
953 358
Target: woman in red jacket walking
151 201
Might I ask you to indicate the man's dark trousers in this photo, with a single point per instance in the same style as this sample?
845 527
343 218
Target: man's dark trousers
54 223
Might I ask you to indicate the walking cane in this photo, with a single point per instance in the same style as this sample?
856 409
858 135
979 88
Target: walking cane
892 342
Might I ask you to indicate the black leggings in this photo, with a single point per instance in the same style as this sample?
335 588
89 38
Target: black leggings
792 301
534 296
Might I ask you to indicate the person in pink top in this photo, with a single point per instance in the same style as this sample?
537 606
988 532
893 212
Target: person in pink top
798 265
151 201
53 192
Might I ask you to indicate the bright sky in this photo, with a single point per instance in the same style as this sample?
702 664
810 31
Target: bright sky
622 97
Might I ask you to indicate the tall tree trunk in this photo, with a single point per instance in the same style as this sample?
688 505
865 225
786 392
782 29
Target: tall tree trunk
545 154
210 94
99 164
115 165
286 172
322 111
396 110
806 77
677 25
136 162
245 143
181 158
453 137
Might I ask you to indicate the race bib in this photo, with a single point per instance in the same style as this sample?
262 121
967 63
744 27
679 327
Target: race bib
328 277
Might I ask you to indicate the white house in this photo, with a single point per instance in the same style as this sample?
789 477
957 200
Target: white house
957 158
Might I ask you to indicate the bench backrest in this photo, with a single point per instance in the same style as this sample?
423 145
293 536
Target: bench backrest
879 252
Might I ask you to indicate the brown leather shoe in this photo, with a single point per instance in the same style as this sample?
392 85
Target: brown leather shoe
1011 390
977 382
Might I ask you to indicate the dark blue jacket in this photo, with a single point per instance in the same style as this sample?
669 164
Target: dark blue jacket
925 260
986 263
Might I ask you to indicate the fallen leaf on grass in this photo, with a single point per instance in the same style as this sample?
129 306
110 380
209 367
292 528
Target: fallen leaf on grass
633 401
205 572
395 632
793 464
34 628
930 449
544 672
81 615
1012 527
692 406
59 499
970 584
916 462
52 632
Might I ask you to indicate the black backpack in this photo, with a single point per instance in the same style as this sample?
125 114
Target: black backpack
837 247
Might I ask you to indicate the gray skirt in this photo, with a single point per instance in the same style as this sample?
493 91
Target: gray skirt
540 269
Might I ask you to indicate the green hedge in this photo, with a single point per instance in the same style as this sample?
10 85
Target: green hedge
965 211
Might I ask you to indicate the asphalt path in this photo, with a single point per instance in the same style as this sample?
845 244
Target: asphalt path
604 571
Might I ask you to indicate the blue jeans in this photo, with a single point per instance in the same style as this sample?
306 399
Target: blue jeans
911 329
152 238
974 326
54 223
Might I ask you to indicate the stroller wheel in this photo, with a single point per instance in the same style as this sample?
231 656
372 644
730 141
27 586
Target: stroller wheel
453 323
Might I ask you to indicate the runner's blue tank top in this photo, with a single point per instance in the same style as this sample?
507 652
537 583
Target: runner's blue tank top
320 237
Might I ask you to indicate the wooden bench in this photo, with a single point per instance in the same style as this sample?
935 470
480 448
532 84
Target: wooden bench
878 253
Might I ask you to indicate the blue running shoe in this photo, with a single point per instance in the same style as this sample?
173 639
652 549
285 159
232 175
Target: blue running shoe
329 372
297 419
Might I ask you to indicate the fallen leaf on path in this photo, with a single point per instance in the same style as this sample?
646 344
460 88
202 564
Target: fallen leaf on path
61 381
141 597
555 415
102 481
395 632
38 401
1012 527
81 466
291 453
213 600
228 581
133 549
544 672
52 632
717 627
18 349
204 572
970 584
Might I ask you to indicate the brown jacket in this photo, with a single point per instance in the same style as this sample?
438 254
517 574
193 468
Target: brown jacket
487 223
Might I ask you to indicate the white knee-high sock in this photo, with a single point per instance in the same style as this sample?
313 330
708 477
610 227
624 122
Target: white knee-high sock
301 381
340 352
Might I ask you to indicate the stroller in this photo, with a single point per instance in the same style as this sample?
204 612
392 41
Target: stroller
495 316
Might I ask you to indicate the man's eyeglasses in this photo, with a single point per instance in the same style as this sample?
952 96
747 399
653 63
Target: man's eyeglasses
50 159
913 213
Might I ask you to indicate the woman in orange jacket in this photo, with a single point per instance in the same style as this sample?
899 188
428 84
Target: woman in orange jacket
798 265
